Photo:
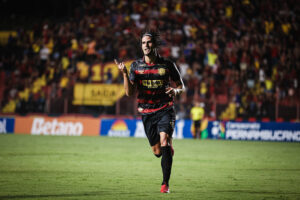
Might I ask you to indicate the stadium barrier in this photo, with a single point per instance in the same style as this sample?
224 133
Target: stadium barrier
7 125
64 125
266 131
135 128
118 127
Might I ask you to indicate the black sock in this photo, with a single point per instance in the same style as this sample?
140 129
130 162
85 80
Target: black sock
166 163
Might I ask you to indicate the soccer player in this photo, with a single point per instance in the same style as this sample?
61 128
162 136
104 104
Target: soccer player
152 76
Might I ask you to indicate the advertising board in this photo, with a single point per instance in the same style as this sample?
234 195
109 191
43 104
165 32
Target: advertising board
7 125
40 125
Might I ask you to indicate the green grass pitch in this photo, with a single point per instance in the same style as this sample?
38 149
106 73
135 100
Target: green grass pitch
64 167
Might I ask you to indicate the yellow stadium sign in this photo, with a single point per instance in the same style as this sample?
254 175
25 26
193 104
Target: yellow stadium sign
97 94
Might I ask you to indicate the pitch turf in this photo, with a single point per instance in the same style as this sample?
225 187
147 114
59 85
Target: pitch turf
62 167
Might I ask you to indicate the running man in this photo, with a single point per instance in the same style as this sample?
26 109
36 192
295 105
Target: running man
152 76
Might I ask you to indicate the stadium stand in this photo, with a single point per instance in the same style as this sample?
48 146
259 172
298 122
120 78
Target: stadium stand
242 58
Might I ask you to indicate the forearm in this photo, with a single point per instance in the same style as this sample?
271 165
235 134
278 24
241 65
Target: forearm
128 86
179 89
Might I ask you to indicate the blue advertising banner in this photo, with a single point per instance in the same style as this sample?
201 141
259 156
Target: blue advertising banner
7 125
267 131
135 128
270 131
118 127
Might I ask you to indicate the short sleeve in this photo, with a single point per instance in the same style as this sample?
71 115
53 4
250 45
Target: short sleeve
174 72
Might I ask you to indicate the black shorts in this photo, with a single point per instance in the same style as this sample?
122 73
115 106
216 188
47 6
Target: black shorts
161 121
197 124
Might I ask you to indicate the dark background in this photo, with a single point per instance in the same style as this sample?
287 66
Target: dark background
16 13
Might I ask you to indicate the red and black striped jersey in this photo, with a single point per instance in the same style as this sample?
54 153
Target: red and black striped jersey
151 81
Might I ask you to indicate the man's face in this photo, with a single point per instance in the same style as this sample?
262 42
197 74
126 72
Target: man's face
147 45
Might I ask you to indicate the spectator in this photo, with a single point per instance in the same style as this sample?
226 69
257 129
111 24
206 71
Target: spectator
228 47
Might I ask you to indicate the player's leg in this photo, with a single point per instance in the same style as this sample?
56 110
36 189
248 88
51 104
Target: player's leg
194 133
156 150
166 161
197 129
200 131
150 126
165 127
170 141
197 132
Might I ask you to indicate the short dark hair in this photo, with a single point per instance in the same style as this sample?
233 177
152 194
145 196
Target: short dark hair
155 36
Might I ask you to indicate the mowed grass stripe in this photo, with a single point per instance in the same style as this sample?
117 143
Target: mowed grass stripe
64 167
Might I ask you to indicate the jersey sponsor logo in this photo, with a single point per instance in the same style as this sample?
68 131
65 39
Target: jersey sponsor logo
55 127
152 83
119 129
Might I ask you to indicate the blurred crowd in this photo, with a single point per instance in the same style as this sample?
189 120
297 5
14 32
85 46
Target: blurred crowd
242 54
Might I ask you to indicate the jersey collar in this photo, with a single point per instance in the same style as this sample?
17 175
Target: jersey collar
155 62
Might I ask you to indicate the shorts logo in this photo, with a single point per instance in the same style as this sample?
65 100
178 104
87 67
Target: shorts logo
172 123
161 71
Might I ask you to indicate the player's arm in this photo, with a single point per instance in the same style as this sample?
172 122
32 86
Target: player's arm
128 85
178 82
177 90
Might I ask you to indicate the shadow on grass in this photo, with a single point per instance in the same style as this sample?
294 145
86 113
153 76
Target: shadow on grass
39 196
259 192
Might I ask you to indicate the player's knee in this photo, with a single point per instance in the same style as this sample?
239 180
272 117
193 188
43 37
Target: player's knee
164 143
156 151
163 139
158 155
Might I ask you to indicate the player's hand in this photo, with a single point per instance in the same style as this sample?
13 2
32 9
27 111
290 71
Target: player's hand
171 91
121 66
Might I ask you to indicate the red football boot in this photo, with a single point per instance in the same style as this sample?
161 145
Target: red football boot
164 189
